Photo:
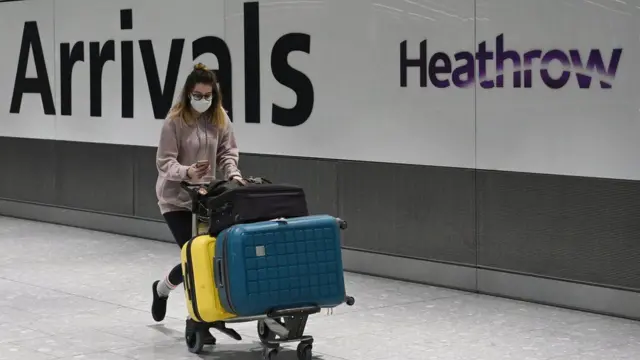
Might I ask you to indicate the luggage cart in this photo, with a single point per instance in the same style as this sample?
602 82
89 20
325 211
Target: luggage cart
274 328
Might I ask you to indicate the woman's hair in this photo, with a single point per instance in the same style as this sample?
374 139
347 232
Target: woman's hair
182 108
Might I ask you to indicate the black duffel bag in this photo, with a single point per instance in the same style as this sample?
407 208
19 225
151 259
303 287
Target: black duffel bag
259 200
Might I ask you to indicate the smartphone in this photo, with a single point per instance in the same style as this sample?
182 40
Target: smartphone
202 163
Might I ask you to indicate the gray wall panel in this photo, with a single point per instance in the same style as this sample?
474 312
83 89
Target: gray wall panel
28 170
146 173
317 177
578 229
582 229
96 177
560 293
415 211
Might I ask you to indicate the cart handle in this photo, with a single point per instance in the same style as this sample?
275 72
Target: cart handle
193 189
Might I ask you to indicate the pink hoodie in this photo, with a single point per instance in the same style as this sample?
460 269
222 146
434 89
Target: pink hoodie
182 145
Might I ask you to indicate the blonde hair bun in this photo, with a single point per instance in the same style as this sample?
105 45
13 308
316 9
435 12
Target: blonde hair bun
200 66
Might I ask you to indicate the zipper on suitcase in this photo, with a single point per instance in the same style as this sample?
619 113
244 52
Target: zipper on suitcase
227 290
192 283
273 194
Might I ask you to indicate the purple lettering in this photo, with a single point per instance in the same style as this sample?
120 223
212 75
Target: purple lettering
595 62
501 56
529 56
440 63
483 56
442 70
556 55
466 70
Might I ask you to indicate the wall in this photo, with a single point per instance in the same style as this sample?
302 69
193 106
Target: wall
488 145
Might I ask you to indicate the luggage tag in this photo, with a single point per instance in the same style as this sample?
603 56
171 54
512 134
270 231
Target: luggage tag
202 227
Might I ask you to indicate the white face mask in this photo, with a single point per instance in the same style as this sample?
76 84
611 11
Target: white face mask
200 105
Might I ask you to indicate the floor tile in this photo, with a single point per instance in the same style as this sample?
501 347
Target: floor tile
9 315
96 356
12 332
227 350
546 344
620 352
607 329
10 351
54 346
150 334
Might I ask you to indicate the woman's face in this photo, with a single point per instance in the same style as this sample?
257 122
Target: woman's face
201 97
202 91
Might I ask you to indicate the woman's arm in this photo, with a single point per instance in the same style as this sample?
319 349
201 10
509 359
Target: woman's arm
167 155
228 154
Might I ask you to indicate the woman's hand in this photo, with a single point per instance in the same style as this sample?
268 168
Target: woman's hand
198 171
191 172
239 179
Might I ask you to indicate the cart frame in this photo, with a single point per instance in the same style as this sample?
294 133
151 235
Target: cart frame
274 328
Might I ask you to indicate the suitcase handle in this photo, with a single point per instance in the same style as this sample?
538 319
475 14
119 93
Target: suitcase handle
217 273
281 221
187 285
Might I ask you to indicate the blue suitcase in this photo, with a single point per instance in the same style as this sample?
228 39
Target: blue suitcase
281 264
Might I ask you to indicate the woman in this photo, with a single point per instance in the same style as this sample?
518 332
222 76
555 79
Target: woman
196 135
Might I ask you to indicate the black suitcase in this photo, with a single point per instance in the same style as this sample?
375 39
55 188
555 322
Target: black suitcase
252 203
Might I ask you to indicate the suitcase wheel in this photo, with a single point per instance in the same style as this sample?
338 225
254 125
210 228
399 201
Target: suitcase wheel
350 300
304 351
195 341
266 335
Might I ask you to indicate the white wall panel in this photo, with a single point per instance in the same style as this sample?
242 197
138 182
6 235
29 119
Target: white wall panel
99 21
571 130
31 120
360 110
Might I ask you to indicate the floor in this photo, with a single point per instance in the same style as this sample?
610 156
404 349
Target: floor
69 293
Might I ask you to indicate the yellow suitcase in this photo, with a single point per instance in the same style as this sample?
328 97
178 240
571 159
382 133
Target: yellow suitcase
203 302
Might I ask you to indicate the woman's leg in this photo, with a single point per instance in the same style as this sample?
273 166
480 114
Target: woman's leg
179 223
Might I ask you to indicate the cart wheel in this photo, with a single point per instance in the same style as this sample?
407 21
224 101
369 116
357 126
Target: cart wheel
304 351
195 341
265 334
270 354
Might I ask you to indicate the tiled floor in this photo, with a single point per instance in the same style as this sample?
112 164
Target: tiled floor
68 293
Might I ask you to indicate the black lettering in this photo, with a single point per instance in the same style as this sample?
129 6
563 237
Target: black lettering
293 79
126 19
40 84
161 96
68 58
126 56
126 48
406 63
217 47
97 58
252 62
435 69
